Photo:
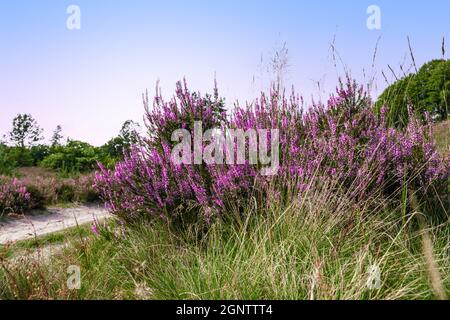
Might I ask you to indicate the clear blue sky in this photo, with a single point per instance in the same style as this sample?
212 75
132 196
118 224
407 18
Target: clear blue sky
90 80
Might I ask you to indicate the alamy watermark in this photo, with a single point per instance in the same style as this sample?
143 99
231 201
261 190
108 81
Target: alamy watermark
74 278
73 21
374 277
374 19
227 146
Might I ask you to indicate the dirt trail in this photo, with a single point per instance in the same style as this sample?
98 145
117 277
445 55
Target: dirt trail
52 220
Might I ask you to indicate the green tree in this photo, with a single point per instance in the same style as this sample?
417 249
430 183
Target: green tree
26 131
57 136
74 157
426 91
129 135
130 132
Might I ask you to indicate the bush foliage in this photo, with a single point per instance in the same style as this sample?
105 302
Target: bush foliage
20 195
75 156
426 91
344 140
14 197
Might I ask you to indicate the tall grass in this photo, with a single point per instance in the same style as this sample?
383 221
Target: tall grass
441 134
320 246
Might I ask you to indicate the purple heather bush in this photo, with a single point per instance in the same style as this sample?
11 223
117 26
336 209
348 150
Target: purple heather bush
19 195
53 190
14 197
343 140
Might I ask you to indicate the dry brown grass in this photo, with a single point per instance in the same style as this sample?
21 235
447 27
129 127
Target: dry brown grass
442 137
33 172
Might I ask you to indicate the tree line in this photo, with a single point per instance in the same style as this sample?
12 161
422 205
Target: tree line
23 146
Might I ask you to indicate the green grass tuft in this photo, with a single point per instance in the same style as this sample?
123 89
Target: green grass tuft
316 248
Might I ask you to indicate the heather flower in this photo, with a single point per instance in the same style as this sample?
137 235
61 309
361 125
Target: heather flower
94 229
14 197
344 140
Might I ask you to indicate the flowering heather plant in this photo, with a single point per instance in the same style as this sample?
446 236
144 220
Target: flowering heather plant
148 183
20 195
343 140
181 112
14 197
53 190
346 141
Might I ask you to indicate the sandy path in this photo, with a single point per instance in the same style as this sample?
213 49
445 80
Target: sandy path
52 220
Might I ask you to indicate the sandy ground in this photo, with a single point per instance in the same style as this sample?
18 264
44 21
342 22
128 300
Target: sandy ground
52 220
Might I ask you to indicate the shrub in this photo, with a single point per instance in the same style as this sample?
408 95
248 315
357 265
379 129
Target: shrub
39 153
426 91
76 156
6 167
117 146
14 197
19 195
85 190
13 157
42 189
65 191
37 197
343 140
53 190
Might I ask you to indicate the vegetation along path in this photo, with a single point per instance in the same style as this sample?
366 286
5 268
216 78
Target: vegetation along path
52 220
